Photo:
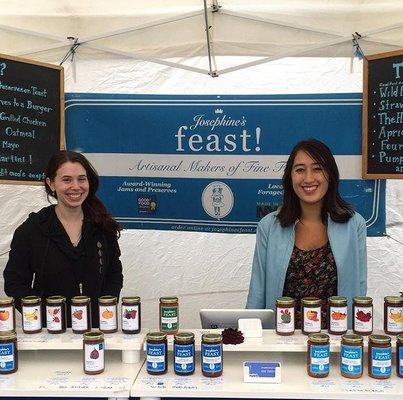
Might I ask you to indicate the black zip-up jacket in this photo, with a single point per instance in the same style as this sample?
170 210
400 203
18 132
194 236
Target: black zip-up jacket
43 262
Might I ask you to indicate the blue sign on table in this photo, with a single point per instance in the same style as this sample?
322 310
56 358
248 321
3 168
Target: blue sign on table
213 163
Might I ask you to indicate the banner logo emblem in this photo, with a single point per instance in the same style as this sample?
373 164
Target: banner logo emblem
217 199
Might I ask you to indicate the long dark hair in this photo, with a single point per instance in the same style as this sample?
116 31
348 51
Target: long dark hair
93 207
339 210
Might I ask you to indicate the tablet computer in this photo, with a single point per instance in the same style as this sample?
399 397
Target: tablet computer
228 318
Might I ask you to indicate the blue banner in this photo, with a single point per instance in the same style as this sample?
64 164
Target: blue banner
213 163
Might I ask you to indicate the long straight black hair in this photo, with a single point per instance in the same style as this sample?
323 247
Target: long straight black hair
333 204
93 207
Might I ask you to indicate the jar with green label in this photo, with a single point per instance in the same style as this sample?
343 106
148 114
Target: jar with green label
169 315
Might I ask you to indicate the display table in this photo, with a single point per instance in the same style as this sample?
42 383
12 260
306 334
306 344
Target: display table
296 384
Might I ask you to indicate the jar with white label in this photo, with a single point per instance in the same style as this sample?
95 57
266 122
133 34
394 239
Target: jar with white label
393 315
337 315
31 307
379 357
108 315
93 352
363 315
56 314
285 316
351 356
311 317
131 315
7 314
8 352
80 314
156 353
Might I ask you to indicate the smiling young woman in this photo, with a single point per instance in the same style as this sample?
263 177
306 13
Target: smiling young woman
68 249
315 245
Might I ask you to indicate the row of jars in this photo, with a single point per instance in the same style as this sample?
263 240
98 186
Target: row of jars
80 309
337 315
93 349
184 362
352 356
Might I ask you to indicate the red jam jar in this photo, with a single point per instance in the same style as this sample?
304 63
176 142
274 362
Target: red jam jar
337 315
80 314
56 314
363 315
131 315
311 318
393 315
285 316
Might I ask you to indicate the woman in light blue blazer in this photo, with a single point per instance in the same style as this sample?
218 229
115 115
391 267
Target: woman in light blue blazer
315 245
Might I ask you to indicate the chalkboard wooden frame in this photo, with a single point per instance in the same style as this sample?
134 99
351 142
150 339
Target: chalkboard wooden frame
368 99
59 107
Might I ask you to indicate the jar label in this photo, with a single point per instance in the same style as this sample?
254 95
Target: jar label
107 317
351 360
338 319
31 318
312 319
130 317
285 319
319 359
79 317
381 361
395 319
169 318
401 360
94 357
7 357
363 319
54 318
6 319
184 358
211 358
156 357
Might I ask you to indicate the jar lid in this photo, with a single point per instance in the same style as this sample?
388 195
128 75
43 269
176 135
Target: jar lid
5 301
311 301
169 300
399 339
107 299
8 335
156 336
212 337
380 339
285 301
363 300
30 300
55 299
352 339
184 336
93 335
131 300
340 300
318 338
80 299
394 299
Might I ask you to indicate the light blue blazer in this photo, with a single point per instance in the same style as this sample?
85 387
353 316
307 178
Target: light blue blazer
274 245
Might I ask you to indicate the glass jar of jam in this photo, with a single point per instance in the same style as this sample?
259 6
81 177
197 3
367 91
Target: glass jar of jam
311 318
93 353
169 315
337 315
31 314
393 315
362 315
379 357
8 352
399 356
131 315
157 353
184 353
212 355
318 360
108 315
7 314
80 314
56 314
285 316
351 356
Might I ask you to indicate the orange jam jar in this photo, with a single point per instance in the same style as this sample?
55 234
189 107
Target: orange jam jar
108 314
337 315
7 314
311 318
393 315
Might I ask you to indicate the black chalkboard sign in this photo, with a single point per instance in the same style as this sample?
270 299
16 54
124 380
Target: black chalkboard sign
31 118
382 144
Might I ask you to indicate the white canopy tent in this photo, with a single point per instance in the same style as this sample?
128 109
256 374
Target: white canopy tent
161 47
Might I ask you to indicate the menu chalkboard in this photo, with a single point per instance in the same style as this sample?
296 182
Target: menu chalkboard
382 144
31 118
